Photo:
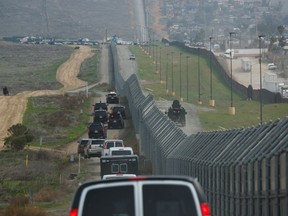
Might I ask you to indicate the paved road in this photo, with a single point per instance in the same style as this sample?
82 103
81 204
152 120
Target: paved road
128 67
253 77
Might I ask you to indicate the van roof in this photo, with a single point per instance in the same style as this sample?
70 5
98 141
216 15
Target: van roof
157 179
120 148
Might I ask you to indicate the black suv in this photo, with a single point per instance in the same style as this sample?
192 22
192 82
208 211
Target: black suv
143 195
112 98
101 106
97 130
119 108
115 121
100 116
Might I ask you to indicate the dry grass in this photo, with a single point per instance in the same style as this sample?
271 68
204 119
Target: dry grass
20 206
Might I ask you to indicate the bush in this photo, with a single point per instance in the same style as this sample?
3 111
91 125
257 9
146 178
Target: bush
20 201
19 206
19 136
46 194
28 210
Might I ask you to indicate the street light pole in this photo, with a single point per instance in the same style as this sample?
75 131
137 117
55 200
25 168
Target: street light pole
156 60
211 101
231 108
199 87
153 41
167 91
181 99
160 64
172 64
187 57
260 90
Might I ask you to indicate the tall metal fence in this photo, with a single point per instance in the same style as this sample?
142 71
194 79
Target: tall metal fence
267 96
243 171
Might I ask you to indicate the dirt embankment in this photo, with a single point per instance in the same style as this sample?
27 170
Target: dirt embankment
12 108
158 27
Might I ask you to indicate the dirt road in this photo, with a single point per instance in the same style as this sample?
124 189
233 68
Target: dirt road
12 108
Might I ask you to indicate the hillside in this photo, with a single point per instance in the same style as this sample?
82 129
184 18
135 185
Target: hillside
71 19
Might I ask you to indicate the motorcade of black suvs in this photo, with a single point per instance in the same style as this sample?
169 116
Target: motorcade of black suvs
100 106
115 120
100 116
112 98
141 196
119 108
97 130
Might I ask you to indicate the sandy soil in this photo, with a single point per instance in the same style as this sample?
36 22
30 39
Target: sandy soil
12 108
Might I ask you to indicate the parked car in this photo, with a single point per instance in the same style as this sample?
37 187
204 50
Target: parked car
115 120
82 143
132 57
112 98
111 143
97 130
141 196
100 106
100 116
120 151
272 66
94 148
119 108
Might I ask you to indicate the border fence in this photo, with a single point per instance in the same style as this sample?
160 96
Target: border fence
267 96
243 171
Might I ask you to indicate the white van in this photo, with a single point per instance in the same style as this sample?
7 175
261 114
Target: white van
141 196
111 143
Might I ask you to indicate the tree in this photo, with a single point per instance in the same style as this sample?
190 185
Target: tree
19 137
280 29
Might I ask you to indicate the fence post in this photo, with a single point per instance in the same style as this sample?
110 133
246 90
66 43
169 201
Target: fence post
238 190
259 188
252 189
286 186
244 192
233 192
277 180
227 191
267 162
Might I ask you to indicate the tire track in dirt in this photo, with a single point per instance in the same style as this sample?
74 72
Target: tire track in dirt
12 108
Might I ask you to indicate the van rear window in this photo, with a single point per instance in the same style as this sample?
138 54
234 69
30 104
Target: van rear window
168 200
121 152
119 168
110 201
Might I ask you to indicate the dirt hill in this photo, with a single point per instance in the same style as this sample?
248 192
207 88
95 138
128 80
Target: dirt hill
71 19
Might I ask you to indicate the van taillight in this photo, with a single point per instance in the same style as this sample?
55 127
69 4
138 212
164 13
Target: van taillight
73 212
205 209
